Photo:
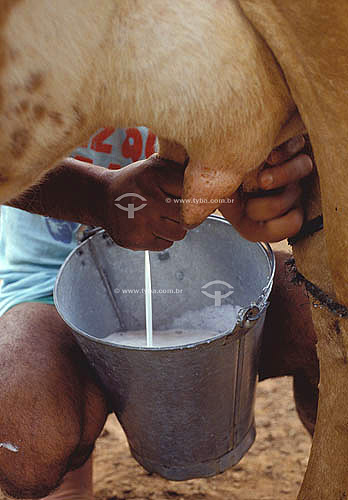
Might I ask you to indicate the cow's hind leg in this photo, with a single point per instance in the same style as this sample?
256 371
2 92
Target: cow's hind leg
322 260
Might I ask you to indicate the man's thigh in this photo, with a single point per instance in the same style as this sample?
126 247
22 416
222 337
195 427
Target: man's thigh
51 408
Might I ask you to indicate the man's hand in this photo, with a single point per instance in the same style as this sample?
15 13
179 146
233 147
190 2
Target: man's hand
273 216
140 210
134 204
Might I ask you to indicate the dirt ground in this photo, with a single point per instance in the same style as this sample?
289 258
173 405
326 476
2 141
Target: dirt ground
272 469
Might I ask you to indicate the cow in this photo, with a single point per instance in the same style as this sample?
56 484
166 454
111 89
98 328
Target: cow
219 81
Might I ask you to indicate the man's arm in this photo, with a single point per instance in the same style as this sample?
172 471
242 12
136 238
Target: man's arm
85 193
72 191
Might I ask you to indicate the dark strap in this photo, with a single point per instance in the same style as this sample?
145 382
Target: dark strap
309 228
316 292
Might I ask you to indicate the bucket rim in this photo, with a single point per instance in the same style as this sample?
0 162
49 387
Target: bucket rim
246 316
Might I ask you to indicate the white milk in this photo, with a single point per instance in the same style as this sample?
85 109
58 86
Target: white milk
191 327
148 300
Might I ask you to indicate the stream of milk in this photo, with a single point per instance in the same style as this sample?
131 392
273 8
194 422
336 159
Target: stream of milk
148 300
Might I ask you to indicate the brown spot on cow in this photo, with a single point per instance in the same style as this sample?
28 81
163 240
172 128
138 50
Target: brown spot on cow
80 116
35 82
3 178
337 327
56 117
6 7
39 111
20 140
339 340
22 107
13 53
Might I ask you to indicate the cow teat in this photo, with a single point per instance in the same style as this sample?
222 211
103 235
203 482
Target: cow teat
207 185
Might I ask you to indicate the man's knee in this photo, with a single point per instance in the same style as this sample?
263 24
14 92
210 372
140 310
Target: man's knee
40 445
20 478
289 340
306 394
46 398
39 439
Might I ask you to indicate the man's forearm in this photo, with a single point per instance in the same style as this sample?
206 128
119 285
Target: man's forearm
73 191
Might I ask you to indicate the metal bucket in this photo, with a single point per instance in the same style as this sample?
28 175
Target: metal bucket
187 410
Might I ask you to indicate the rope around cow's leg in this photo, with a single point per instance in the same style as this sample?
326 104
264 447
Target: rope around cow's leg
322 298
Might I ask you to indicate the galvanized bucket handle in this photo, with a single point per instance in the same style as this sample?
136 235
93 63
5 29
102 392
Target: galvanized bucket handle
248 315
